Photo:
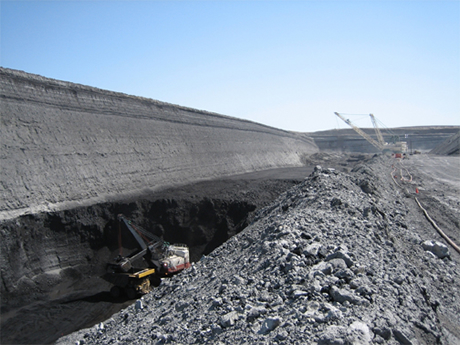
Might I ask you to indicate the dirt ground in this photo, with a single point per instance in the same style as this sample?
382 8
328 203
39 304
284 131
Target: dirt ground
437 179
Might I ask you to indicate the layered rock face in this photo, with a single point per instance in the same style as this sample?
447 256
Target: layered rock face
65 144
451 146
73 157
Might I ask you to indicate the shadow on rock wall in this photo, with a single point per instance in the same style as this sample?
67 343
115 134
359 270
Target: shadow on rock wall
50 255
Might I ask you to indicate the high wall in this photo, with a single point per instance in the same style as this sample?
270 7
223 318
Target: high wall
65 144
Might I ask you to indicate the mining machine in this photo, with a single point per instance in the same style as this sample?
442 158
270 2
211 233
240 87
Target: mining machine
396 147
161 258
377 130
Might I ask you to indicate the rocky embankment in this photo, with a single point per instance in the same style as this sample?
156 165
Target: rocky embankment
342 258
66 145
51 278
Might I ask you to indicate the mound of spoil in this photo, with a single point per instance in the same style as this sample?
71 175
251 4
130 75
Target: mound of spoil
331 261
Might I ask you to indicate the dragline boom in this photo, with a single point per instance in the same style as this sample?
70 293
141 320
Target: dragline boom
362 133
377 130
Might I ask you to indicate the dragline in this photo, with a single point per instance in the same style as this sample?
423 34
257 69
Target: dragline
380 144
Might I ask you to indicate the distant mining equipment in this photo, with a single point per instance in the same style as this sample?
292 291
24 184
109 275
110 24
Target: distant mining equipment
394 147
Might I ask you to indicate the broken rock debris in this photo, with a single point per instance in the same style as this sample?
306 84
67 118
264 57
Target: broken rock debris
307 270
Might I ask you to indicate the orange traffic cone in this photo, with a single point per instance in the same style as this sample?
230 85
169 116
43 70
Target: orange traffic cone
416 190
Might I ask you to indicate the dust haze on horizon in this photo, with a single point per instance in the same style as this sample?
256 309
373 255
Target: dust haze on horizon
286 64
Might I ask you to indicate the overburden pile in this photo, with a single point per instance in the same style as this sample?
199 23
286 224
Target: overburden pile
332 261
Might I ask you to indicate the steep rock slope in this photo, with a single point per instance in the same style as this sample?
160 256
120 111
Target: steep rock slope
65 144
451 146
339 259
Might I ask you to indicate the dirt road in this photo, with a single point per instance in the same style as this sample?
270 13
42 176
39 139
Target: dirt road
437 179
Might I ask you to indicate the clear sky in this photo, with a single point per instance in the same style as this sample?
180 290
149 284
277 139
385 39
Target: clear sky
286 64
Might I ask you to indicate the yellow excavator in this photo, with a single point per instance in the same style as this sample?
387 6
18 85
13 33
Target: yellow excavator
161 258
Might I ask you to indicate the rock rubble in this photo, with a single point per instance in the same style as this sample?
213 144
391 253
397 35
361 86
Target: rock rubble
332 261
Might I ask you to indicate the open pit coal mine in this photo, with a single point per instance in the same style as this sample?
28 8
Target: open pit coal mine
289 244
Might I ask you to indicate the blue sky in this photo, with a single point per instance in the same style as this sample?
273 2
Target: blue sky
286 64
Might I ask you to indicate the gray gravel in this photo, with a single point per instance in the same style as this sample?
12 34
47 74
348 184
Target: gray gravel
332 261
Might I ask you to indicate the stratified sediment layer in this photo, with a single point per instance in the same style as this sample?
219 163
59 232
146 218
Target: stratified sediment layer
451 146
65 144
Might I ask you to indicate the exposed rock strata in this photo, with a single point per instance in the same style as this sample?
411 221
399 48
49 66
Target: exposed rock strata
451 146
65 144
330 262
